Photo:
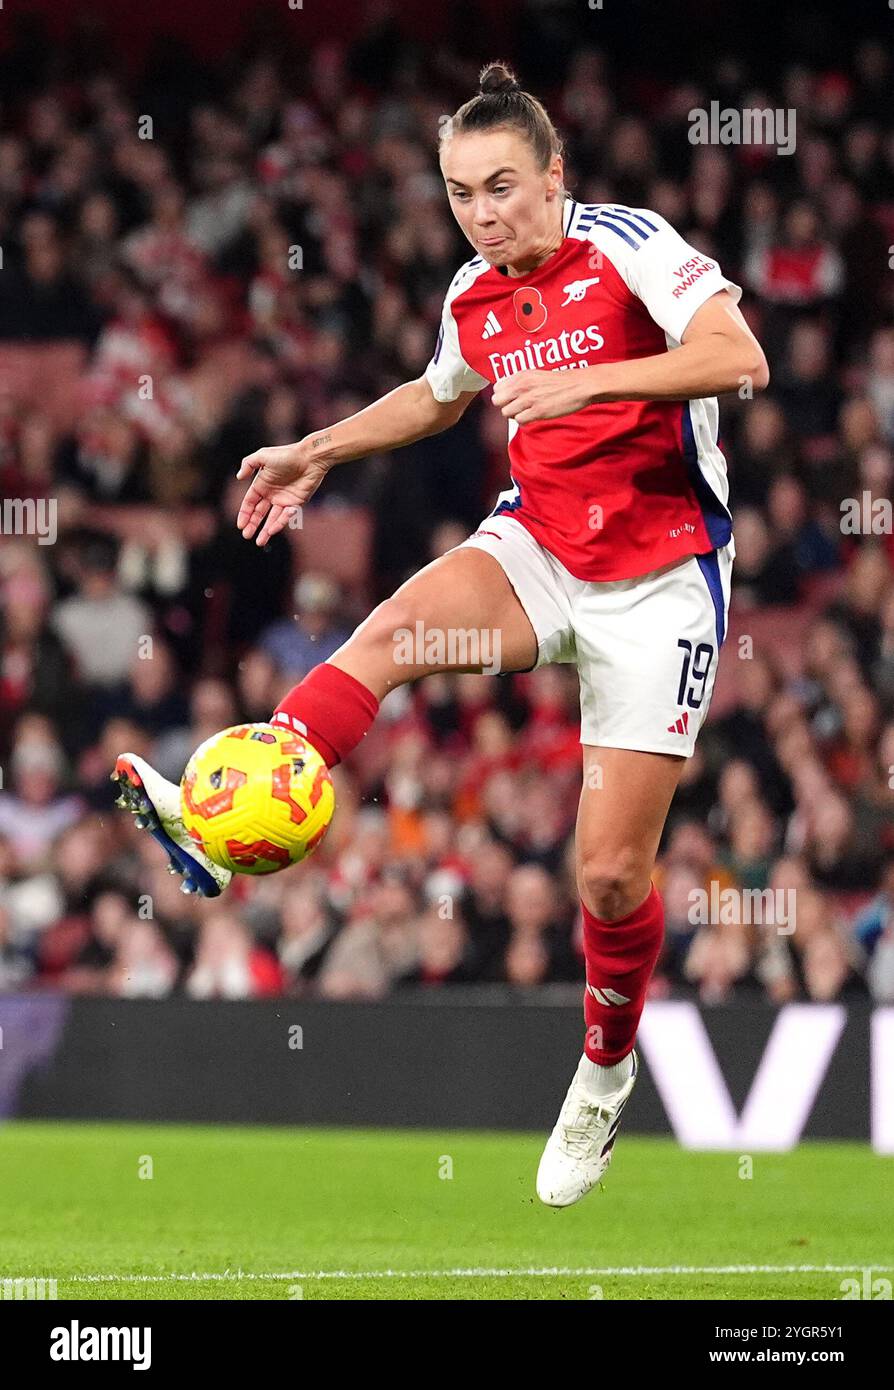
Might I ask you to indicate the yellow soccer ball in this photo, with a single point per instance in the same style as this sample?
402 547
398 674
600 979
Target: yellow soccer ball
256 798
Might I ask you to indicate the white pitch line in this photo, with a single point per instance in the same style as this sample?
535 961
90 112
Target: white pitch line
530 1273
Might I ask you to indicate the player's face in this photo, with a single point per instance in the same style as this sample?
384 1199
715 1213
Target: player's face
509 210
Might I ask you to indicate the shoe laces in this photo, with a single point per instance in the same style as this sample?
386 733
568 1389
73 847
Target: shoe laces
578 1136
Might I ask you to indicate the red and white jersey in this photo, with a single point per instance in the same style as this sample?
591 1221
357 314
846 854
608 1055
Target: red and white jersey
617 489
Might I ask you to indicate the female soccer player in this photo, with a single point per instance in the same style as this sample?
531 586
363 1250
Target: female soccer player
605 337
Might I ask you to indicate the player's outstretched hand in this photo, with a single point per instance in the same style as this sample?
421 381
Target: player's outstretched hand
285 477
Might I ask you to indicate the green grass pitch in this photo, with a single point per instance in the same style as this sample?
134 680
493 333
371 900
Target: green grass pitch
233 1213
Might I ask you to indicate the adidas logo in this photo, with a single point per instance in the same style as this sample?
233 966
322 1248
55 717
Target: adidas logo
290 722
681 726
492 325
607 996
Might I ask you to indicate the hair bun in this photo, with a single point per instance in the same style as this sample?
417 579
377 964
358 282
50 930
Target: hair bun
497 80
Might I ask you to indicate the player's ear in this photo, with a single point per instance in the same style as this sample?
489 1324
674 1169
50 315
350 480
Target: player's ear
555 176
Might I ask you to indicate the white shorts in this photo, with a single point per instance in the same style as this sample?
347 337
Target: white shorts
646 649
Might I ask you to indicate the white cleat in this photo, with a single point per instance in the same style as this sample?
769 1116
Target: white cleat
579 1149
155 803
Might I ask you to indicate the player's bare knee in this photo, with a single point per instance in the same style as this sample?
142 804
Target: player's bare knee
382 638
612 887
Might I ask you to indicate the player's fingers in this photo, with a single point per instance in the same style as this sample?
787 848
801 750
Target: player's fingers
513 386
276 520
504 391
249 503
256 518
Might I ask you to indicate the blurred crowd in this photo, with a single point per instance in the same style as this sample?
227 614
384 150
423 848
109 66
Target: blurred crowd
269 253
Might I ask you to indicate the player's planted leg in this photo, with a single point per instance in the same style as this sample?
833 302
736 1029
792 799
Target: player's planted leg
623 806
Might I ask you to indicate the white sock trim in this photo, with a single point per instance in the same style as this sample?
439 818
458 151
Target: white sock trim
601 1082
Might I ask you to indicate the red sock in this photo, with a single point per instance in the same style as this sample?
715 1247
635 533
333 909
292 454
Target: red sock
334 711
620 957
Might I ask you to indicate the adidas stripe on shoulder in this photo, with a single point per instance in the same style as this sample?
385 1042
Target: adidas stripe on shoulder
633 226
671 277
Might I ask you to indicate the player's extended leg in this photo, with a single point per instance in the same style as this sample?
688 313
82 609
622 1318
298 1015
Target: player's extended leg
465 591
624 803
460 613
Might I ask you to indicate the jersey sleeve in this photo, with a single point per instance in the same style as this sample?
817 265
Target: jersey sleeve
448 373
669 275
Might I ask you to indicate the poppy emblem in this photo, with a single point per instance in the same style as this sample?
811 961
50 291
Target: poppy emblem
530 310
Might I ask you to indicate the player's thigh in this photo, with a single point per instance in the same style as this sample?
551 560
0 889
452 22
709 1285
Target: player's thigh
648 651
460 613
624 802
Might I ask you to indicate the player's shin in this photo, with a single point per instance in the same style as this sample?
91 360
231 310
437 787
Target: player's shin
620 958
